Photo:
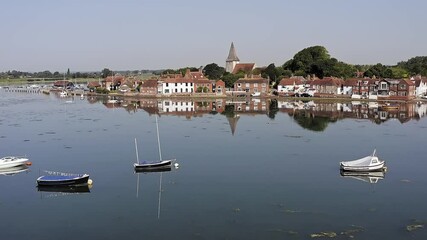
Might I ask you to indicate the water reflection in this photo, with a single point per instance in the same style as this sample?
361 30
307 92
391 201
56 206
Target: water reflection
13 170
369 177
311 115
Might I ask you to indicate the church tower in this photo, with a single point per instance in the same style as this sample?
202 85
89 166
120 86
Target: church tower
232 59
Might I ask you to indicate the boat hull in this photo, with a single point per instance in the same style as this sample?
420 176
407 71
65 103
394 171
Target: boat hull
376 167
64 188
62 181
154 169
152 165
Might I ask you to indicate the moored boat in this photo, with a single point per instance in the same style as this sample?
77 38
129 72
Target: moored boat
366 164
153 165
12 161
63 179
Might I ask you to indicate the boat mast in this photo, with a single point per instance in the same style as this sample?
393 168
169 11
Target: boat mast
158 139
136 150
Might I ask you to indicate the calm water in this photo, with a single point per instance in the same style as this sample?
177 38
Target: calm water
248 169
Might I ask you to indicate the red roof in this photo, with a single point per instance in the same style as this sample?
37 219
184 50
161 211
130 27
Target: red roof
290 81
252 80
151 83
245 67
93 84
328 81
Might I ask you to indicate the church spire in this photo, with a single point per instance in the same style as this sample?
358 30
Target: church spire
232 56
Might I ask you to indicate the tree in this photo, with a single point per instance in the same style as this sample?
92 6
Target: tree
68 73
106 72
399 72
415 65
213 71
229 78
379 70
305 58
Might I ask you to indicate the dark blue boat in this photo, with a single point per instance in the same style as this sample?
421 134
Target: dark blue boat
63 180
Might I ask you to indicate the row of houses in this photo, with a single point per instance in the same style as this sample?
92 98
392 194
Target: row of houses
396 89
194 82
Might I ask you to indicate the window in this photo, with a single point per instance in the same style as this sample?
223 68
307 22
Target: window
176 84
255 84
167 84
166 90
247 84
238 85
383 85
402 86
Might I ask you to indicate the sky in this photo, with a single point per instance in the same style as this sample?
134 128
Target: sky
90 35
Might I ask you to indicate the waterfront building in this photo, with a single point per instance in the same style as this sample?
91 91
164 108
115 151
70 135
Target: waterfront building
396 89
289 86
252 84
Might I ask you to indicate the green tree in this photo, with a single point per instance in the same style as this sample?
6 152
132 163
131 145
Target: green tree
229 78
213 71
379 70
305 58
399 72
415 65
106 72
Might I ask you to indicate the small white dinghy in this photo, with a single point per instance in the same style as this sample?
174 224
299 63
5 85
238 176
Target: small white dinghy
366 164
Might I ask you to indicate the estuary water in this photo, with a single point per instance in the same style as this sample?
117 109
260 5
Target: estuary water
248 169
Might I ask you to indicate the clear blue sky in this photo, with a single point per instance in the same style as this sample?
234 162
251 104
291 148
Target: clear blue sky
89 35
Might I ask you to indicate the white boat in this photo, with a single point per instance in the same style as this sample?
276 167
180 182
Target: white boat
11 161
256 94
63 94
366 164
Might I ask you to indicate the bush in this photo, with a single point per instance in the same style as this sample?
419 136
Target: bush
102 90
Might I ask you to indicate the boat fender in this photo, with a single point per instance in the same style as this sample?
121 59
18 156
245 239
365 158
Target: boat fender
385 169
176 165
90 182
28 163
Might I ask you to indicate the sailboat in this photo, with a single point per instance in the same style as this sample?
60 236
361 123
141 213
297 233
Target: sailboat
153 165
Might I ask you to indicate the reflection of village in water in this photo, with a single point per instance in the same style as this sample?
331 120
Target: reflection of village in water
312 115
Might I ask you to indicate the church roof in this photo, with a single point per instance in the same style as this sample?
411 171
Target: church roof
232 56
244 67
